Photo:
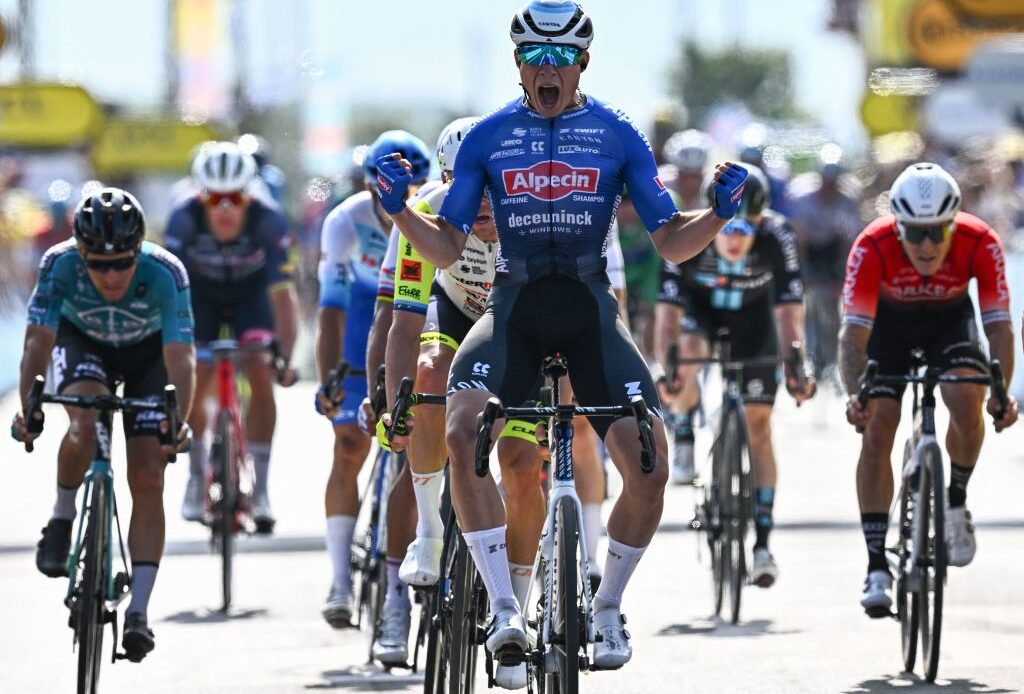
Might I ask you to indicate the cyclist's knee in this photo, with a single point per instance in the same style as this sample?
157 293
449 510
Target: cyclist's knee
460 423
145 470
350 446
520 468
82 429
432 370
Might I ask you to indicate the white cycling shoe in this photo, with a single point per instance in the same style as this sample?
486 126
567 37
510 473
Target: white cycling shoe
337 609
422 563
192 506
612 649
392 644
960 540
683 470
510 676
507 632
765 570
877 596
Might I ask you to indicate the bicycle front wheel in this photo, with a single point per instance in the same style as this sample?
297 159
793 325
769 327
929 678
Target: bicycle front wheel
906 600
736 500
461 652
566 617
439 633
224 456
930 548
91 605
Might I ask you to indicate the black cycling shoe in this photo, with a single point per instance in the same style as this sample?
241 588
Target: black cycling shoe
52 549
138 637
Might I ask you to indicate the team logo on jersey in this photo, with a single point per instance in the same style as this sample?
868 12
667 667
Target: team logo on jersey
552 180
657 180
412 270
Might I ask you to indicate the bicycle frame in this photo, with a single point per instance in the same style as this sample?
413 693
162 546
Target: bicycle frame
227 390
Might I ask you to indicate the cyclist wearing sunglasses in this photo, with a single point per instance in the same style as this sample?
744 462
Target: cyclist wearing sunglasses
353 242
235 248
906 287
747 281
109 308
554 163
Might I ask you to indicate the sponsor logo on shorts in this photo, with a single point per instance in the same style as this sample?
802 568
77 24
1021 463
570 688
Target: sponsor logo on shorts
633 388
481 369
550 180
412 270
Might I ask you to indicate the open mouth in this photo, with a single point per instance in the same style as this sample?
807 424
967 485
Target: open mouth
481 219
548 96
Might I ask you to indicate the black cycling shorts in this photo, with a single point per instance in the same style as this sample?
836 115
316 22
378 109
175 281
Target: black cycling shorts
949 338
522 324
751 335
445 323
243 308
140 367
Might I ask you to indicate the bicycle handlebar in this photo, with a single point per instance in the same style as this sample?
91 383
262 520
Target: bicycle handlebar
494 410
225 349
405 400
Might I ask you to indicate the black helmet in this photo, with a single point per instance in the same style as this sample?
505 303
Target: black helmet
757 196
109 222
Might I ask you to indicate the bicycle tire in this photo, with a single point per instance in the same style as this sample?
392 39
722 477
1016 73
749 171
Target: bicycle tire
565 620
933 575
478 606
906 605
713 515
91 603
439 632
736 495
224 457
462 585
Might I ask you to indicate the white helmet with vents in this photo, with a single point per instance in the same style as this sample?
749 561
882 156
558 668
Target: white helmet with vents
223 167
552 21
450 141
924 194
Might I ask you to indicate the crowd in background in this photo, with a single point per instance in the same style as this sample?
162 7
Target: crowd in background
828 203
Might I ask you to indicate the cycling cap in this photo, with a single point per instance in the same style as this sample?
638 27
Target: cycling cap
223 168
552 21
688 150
451 139
924 194
757 195
413 149
108 222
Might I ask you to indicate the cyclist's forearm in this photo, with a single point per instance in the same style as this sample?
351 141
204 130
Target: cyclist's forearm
853 355
180 362
402 350
285 305
39 343
1000 341
436 240
686 234
789 318
330 336
375 344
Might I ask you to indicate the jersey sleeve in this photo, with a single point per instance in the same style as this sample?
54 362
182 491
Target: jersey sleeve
386 279
863 278
337 239
413 273
277 245
176 320
650 197
616 264
48 296
989 267
789 287
470 178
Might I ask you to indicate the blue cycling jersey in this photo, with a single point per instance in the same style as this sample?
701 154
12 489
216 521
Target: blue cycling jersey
554 186
157 300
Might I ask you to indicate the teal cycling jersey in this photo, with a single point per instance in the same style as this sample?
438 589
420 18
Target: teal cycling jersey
157 300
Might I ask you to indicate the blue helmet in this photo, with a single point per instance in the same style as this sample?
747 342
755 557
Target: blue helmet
412 149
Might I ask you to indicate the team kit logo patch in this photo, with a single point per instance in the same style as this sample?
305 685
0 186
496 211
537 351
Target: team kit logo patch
550 180
412 271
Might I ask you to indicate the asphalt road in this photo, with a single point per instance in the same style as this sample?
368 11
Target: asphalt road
806 634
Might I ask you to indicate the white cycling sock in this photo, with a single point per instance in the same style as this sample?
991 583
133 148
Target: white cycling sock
65 508
339 549
618 567
491 558
428 504
522 576
260 453
143 578
592 533
398 592
197 458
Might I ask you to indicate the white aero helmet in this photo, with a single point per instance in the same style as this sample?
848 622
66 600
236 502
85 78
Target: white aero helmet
223 167
552 21
924 194
688 150
451 139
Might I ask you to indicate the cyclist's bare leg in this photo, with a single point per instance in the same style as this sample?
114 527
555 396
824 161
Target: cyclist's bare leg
79 443
965 402
875 478
198 418
261 416
589 485
762 458
691 346
146 466
401 521
524 499
351 446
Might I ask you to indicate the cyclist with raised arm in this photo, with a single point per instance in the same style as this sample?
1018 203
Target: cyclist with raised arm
110 308
235 248
553 164
906 288
353 242
748 282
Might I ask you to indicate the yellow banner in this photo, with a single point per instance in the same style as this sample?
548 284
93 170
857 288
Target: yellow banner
887 114
47 115
940 37
128 145
885 33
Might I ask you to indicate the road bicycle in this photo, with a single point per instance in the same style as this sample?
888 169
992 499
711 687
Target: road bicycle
918 561
727 508
564 616
230 477
94 589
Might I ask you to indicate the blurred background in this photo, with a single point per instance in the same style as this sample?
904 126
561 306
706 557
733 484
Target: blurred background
832 97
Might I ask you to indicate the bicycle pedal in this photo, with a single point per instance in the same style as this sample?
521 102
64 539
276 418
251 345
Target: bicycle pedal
879 612
509 656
